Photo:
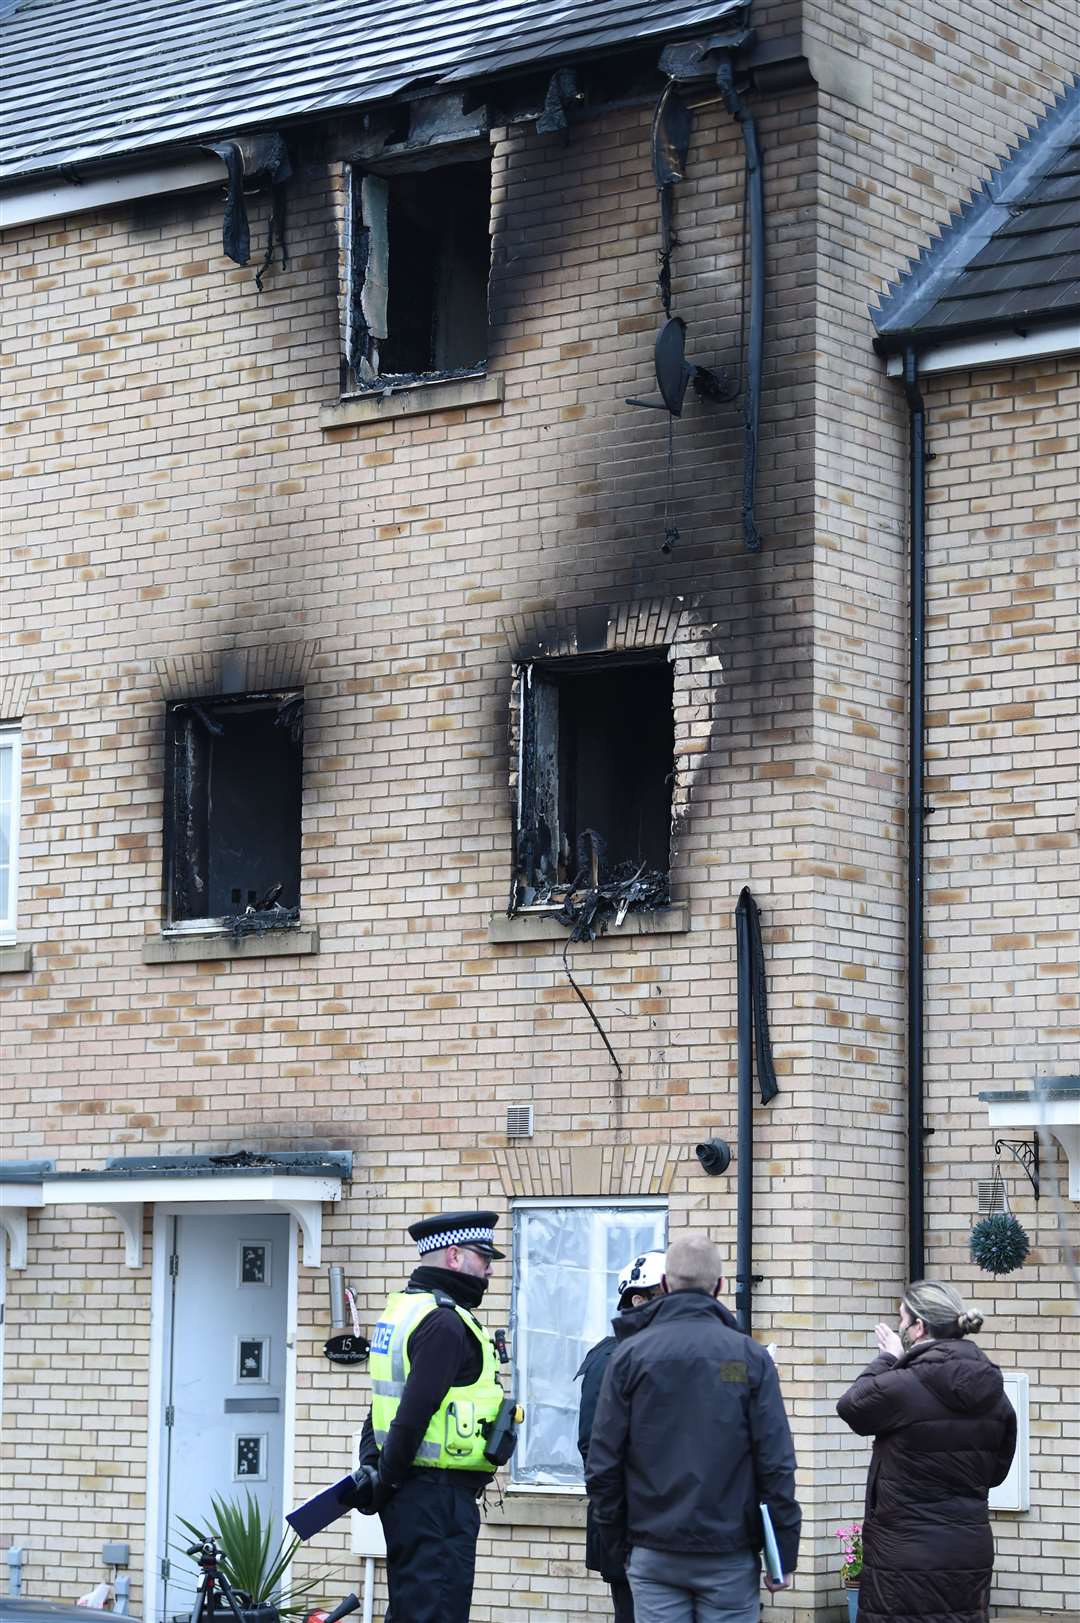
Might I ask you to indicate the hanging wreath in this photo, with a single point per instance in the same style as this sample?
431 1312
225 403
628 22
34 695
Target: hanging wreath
998 1244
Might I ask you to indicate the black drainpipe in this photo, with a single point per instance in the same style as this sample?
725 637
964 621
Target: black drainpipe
916 815
753 1035
755 205
744 1211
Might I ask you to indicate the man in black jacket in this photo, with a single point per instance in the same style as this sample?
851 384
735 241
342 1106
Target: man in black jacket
639 1282
689 1438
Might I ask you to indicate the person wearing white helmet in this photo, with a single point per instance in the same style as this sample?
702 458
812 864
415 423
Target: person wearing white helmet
638 1283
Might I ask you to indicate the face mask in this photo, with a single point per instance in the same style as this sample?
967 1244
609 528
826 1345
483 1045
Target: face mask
908 1338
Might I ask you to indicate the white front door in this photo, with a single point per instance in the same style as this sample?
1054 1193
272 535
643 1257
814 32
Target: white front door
223 1394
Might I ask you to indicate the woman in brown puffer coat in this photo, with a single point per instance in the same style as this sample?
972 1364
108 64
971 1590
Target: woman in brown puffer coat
944 1434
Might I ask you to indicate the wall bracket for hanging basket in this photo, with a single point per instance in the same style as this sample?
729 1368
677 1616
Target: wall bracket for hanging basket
1026 1151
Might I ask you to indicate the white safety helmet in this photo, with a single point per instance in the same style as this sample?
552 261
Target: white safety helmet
642 1273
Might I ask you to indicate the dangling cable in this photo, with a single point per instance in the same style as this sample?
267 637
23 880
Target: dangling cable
589 1008
671 529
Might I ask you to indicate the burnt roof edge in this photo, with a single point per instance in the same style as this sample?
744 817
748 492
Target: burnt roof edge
244 1164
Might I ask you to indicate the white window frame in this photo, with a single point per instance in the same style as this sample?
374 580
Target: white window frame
618 1203
11 742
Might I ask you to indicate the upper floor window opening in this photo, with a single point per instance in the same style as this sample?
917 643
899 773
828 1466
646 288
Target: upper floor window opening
418 263
597 763
232 808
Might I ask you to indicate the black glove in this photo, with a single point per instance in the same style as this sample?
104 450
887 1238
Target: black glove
381 1493
371 1492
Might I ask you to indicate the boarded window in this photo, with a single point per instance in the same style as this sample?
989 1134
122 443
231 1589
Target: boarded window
598 755
567 1261
419 261
232 805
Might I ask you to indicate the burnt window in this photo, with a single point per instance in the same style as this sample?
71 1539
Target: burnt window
418 264
232 806
597 764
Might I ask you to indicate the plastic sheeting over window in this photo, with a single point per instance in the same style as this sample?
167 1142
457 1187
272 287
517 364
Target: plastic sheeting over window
566 1263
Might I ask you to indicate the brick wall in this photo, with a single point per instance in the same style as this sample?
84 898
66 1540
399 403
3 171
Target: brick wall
1003 885
174 499
915 107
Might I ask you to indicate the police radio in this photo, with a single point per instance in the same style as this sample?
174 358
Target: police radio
502 1432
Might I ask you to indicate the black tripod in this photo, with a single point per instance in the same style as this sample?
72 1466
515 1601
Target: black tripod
212 1585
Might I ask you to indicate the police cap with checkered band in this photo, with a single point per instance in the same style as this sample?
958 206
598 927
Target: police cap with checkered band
474 1229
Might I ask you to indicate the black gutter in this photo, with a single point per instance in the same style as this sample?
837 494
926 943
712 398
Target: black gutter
744 1166
755 206
916 815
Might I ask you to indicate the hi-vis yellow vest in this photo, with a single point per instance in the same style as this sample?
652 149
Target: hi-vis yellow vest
457 1433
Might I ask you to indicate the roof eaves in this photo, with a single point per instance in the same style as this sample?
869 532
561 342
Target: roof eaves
909 299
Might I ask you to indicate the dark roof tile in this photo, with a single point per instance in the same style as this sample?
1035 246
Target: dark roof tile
86 80
1011 253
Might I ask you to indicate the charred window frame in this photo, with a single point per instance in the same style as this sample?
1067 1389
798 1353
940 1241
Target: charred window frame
233 772
596 773
418 252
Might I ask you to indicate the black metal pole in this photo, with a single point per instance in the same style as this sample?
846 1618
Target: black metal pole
744 1221
916 774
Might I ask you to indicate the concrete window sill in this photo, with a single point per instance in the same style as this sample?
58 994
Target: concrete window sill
444 394
201 949
535 927
519 1508
16 958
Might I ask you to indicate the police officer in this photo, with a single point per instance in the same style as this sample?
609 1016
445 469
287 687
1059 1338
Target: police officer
436 1399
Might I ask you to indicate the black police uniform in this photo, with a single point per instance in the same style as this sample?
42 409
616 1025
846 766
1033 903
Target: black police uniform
430 1516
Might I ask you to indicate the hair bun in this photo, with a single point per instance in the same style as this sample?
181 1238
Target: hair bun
969 1324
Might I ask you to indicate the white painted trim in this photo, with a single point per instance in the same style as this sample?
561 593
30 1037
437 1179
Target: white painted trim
301 1198
16 1199
1060 1117
13 1223
24 205
622 1202
130 1219
159 1279
966 354
106 1191
288 1440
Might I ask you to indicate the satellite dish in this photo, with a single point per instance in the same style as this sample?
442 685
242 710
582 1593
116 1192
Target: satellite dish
674 373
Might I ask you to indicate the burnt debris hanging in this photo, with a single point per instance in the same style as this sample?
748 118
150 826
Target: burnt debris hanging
670 149
670 143
564 94
697 63
254 164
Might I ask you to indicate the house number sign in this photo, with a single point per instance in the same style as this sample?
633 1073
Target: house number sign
347 1349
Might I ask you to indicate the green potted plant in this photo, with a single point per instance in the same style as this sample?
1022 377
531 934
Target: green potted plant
252 1562
851 1565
